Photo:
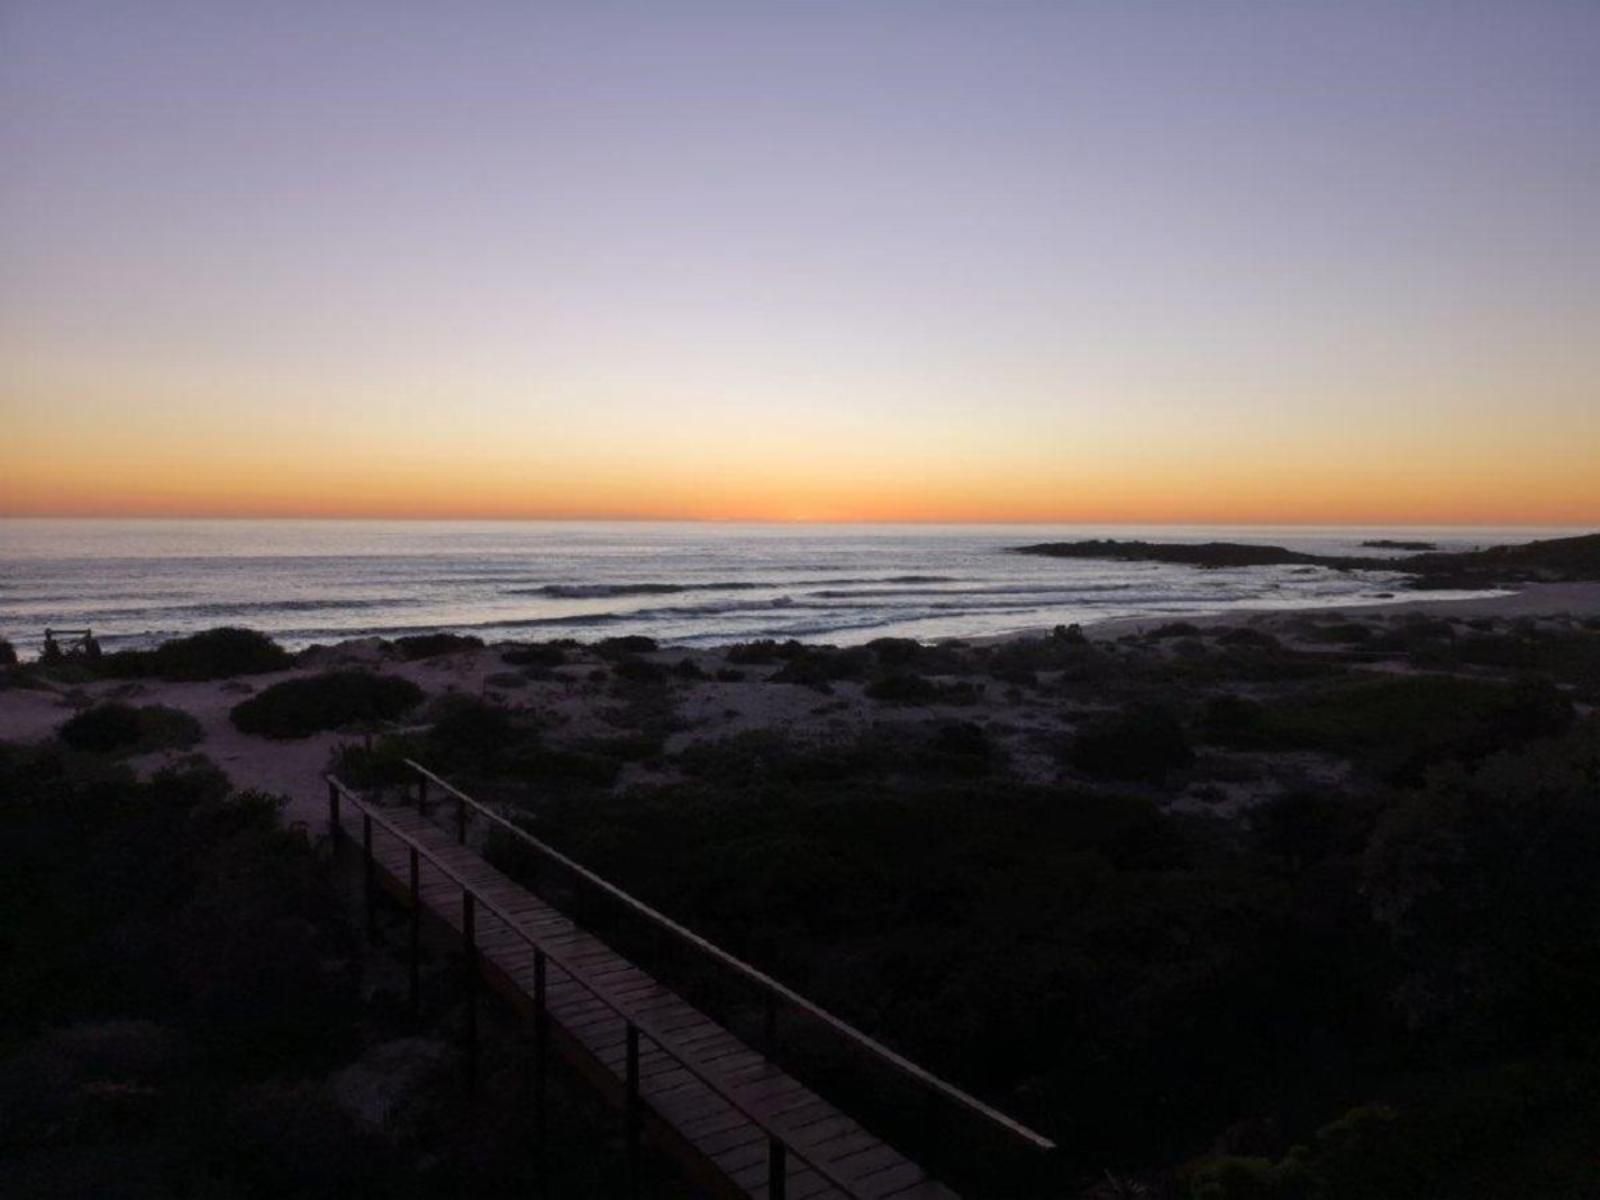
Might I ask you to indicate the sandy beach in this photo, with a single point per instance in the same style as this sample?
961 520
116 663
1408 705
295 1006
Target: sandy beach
578 701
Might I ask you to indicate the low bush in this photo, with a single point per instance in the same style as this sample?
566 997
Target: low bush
122 728
215 654
639 670
1244 636
765 651
819 667
1399 727
1342 633
471 730
903 687
535 654
1174 629
1141 742
614 648
432 645
8 654
297 708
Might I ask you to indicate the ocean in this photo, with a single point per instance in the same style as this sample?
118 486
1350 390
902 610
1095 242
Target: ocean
136 582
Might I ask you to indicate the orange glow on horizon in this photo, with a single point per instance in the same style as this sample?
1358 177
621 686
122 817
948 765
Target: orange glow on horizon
1172 492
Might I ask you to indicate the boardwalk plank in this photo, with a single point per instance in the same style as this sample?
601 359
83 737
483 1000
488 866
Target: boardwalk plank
736 1145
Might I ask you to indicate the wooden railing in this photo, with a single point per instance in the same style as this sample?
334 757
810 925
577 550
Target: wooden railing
779 1147
772 991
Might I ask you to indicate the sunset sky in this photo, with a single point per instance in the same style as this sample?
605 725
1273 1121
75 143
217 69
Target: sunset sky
875 260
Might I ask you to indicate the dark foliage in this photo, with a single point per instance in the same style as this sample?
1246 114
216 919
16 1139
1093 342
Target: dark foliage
122 728
536 654
214 654
614 648
764 652
905 687
8 654
1399 727
640 670
432 645
298 708
819 667
1144 741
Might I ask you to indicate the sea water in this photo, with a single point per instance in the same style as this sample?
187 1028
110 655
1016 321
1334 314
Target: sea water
135 582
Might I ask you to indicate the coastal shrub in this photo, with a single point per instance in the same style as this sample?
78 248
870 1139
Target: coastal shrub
561 769
1308 826
1174 629
760 757
1341 633
764 651
432 645
625 747
819 667
382 763
614 648
1400 727
957 749
1245 636
219 654
1017 661
535 654
1143 741
902 654
895 652
102 729
687 668
111 728
1231 720
472 730
905 687
297 708
1484 881
8 654
639 670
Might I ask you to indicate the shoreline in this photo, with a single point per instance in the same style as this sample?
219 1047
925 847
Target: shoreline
1529 600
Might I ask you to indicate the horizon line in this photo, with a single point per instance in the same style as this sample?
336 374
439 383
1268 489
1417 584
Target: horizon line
1389 523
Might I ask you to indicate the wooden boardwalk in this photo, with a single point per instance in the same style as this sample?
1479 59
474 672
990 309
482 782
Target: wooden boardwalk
739 1124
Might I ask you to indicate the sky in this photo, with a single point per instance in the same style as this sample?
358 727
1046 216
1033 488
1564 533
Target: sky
1070 261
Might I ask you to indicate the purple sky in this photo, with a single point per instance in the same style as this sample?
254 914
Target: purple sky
991 248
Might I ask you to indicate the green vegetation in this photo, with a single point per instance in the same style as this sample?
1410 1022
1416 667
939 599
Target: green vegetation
183 1002
123 729
432 645
298 708
1142 742
1387 978
1399 727
214 654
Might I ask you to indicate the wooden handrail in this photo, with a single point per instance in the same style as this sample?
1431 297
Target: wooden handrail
758 977
599 993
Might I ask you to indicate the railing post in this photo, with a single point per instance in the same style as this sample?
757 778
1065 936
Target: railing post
541 1065
369 877
469 946
334 828
632 1112
415 979
777 1168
